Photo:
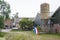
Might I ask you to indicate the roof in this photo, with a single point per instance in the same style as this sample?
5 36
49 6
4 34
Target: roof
56 17
56 12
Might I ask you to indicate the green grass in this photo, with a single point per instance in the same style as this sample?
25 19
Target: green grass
29 35
2 38
2 34
50 37
15 30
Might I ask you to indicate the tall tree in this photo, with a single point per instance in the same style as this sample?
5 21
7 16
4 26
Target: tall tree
1 22
4 9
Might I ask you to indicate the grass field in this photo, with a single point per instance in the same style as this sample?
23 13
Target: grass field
50 37
2 34
2 38
28 35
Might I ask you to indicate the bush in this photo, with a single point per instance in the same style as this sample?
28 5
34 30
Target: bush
38 27
26 24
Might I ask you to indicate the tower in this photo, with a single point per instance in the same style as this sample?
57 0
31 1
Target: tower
44 16
44 11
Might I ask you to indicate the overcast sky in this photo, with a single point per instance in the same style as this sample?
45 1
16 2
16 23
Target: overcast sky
29 8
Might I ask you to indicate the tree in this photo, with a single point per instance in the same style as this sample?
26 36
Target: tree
4 9
26 24
7 17
1 22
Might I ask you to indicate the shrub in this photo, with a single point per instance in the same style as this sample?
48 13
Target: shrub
26 24
38 27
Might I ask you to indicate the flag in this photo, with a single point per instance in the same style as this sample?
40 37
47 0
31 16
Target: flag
36 31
